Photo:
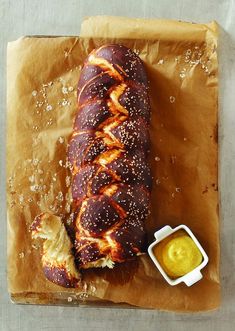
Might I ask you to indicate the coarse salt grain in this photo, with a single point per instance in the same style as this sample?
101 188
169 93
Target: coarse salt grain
183 73
157 158
21 255
70 299
60 196
136 51
160 61
188 52
64 102
34 93
50 121
39 104
34 188
67 208
49 107
67 181
35 162
64 90
172 99
178 189
83 296
61 140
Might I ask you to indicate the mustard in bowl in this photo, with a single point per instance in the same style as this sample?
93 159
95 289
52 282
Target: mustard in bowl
178 255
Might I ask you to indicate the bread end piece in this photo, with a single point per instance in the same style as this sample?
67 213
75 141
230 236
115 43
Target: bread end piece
57 258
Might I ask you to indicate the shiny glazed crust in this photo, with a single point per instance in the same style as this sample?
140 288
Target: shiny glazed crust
107 152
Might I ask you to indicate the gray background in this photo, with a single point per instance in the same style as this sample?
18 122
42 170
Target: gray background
62 17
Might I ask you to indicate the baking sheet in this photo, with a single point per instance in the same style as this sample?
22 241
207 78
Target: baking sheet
41 108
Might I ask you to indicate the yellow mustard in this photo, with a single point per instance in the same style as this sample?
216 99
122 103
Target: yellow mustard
178 254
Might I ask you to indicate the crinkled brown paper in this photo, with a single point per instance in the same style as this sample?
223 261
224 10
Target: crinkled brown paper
181 63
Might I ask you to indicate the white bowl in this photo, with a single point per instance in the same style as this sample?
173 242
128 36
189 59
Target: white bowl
193 276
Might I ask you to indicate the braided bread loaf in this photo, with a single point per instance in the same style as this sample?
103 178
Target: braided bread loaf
107 152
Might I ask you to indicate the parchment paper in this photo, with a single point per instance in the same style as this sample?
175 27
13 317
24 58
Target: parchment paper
42 78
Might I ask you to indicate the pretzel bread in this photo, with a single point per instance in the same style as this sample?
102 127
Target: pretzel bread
111 179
